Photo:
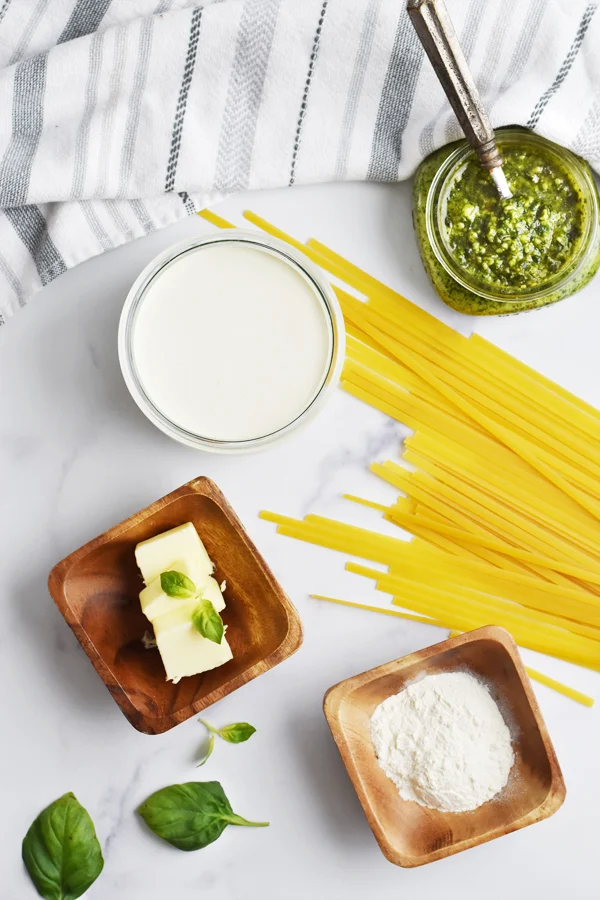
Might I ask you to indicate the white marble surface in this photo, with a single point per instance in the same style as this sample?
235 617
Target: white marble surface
77 456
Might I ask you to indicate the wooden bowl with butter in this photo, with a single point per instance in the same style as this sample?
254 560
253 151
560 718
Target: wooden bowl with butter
97 589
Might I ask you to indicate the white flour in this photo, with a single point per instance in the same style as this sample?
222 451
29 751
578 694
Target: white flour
443 742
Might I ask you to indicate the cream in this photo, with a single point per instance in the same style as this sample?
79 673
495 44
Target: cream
232 341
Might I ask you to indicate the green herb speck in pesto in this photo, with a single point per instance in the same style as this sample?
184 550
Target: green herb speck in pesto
518 243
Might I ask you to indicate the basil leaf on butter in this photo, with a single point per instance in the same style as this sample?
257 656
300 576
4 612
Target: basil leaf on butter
208 622
209 749
178 585
236 733
61 851
191 816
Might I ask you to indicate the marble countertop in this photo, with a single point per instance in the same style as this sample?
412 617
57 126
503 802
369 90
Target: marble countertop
76 456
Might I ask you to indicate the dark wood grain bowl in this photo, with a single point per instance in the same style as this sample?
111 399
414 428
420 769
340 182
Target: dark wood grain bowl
409 834
96 589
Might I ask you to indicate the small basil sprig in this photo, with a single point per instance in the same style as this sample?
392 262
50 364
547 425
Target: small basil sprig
236 733
61 851
191 816
205 618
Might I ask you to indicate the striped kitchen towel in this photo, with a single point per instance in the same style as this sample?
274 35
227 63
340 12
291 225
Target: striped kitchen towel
120 116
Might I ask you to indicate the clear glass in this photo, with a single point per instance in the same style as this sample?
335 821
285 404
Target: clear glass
292 256
582 263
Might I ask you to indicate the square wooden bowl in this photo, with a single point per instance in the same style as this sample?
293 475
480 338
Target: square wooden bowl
96 589
412 835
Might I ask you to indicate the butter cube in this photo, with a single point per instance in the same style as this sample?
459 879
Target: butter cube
211 591
157 554
155 602
183 650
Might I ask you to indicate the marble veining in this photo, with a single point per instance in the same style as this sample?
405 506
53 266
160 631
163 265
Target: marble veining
366 446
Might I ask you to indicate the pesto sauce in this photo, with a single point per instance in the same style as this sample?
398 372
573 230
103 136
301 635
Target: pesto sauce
453 294
521 243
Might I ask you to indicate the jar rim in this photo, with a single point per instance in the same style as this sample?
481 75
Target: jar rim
139 291
434 205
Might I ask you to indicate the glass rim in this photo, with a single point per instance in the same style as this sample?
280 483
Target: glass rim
434 205
294 257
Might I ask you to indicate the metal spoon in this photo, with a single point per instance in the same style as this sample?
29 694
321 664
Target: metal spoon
436 32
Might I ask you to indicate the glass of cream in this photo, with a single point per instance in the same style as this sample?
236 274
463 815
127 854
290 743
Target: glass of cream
231 341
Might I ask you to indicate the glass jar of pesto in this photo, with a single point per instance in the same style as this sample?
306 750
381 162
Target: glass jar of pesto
488 256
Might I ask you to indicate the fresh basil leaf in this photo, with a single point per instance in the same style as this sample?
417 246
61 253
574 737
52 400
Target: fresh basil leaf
178 585
237 733
61 851
208 622
191 816
209 749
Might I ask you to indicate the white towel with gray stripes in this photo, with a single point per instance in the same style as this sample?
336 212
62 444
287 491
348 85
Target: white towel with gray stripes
120 116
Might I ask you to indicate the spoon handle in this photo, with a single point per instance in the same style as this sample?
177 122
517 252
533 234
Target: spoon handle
438 37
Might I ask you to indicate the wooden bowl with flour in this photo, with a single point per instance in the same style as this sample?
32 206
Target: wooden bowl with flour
409 833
